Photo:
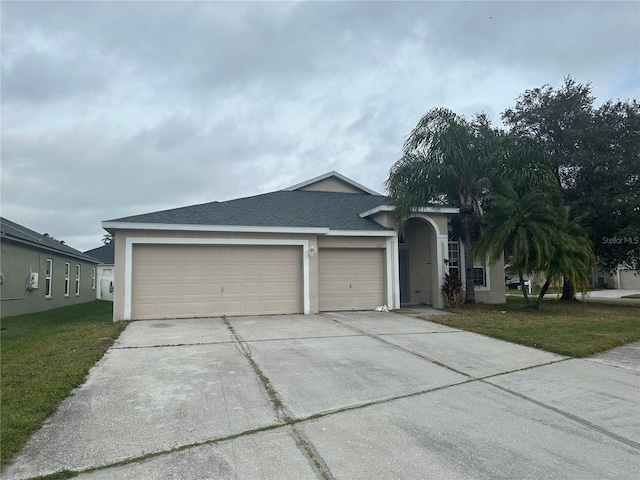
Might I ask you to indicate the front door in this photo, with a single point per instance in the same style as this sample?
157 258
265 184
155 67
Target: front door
404 276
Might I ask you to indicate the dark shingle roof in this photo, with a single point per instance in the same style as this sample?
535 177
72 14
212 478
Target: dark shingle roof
336 211
104 254
13 231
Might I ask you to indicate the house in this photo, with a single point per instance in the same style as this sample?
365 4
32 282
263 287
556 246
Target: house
39 272
105 255
623 278
325 244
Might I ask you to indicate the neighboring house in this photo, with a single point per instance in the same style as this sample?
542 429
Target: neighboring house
39 273
105 255
623 278
326 244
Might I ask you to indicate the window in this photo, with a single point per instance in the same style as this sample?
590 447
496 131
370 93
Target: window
93 279
77 279
454 258
47 278
67 273
479 273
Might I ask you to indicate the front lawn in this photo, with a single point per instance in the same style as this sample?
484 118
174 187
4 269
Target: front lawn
44 356
575 329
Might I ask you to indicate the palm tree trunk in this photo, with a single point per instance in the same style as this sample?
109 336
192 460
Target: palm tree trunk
524 289
467 228
543 291
568 290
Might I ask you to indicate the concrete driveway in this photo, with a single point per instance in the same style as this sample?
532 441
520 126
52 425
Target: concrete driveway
338 396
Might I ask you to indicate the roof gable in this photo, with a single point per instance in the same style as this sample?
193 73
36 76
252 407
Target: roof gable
332 182
104 254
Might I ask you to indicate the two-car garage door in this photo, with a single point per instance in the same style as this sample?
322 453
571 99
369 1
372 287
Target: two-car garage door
182 281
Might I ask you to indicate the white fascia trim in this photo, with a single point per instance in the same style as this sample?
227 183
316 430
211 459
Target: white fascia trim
362 233
329 175
379 208
128 264
437 210
213 228
391 208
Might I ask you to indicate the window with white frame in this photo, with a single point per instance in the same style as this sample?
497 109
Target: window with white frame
479 273
67 281
93 279
47 278
454 258
77 279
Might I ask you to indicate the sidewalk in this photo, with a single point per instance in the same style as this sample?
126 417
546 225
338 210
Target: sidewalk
612 296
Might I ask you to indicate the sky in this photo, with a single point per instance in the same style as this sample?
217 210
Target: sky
110 109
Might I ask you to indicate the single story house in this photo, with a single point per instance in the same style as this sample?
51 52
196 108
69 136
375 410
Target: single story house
325 244
105 255
39 272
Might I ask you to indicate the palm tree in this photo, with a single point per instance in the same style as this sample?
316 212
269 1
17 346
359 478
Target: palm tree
446 161
525 220
571 258
522 226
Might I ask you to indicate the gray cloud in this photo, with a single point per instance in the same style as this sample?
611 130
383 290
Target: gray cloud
117 108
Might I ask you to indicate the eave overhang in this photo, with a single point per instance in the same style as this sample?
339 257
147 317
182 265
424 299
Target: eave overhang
429 209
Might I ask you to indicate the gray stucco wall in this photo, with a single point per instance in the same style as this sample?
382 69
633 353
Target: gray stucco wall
17 261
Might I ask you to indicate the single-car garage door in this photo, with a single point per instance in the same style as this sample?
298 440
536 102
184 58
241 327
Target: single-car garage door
182 281
351 278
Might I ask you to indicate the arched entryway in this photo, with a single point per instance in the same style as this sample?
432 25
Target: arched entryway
421 261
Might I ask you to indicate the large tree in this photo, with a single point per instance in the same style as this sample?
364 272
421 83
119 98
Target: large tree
447 160
606 190
595 157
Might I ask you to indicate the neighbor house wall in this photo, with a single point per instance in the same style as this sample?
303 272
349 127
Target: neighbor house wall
19 260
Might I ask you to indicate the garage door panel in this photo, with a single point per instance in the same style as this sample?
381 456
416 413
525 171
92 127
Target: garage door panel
166 271
173 281
147 291
351 279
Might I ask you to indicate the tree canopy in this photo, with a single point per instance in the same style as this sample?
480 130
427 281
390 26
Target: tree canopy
560 183
595 156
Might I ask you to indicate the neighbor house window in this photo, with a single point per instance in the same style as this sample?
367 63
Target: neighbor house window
479 273
67 273
77 279
93 279
47 278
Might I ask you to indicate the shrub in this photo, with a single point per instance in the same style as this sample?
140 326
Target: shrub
452 290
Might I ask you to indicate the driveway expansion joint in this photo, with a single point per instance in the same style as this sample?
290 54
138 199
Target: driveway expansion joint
575 418
314 458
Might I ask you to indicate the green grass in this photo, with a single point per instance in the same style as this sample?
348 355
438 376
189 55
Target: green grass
574 329
44 356
635 295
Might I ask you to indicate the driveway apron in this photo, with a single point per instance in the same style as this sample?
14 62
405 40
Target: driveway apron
353 395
